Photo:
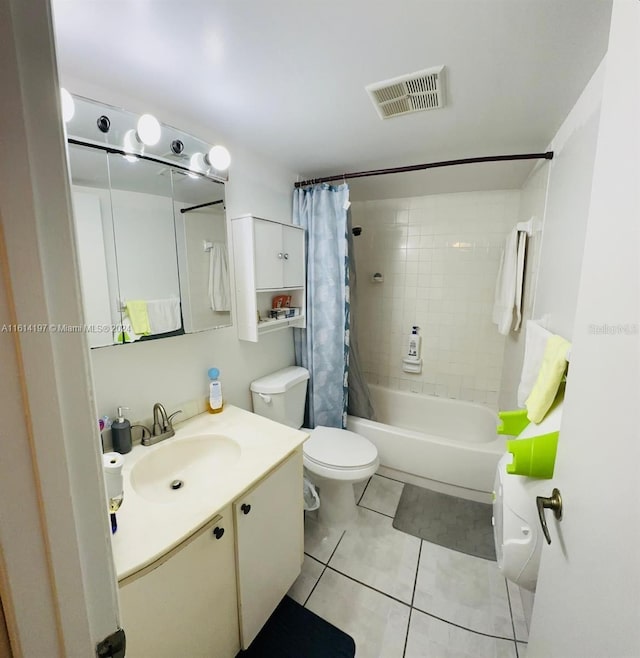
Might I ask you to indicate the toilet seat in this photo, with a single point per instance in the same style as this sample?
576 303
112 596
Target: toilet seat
340 454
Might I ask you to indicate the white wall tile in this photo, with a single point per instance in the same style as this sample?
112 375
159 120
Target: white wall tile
433 279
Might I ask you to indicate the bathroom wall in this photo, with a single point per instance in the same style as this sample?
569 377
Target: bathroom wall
174 370
439 255
558 192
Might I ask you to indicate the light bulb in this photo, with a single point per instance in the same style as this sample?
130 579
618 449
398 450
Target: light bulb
149 130
68 105
197 163
219 158
130 143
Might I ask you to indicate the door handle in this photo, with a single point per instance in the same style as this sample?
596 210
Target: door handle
553 503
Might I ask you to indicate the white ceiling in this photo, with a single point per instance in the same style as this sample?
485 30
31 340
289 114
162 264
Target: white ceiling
287 77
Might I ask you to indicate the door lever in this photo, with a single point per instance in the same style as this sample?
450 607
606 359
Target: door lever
554 503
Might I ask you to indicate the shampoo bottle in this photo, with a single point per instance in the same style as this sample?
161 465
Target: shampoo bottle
413 351
121 433
215 392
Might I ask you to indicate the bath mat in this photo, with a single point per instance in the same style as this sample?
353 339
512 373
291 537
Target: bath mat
459 524
295 632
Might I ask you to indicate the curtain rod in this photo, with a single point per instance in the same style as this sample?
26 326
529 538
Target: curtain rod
428 165
201 205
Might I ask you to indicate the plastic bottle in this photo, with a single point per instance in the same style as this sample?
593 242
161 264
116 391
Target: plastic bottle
413 351
121 433
215 392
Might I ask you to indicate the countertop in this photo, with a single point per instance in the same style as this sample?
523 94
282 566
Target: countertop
147 530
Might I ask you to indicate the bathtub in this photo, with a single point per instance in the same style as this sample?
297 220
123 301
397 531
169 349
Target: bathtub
450 445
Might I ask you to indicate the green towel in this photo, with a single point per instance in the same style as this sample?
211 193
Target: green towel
554 363
137 312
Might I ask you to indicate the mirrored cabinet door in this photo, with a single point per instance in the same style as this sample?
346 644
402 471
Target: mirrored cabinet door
93 218
203 261
147 259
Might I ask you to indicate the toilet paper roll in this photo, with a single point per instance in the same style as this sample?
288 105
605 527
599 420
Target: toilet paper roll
112 463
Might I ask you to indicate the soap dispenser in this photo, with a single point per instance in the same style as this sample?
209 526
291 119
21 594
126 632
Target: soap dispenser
121 433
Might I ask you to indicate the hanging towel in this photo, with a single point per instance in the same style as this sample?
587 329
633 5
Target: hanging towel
510 276
138 315
219 278
164 315
522 250
536 338
554 363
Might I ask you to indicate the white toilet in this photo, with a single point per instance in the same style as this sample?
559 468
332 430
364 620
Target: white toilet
334 459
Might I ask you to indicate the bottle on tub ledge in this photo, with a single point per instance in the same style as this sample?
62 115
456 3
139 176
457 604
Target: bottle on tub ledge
413 351
215 392
412 362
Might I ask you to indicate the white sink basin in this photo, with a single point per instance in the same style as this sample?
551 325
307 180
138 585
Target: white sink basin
183 467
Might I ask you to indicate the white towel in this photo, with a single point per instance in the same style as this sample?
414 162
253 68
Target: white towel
536 338
510 277
522 250
164 315
219 278
506 284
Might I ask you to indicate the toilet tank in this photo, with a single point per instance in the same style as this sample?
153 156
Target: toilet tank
281 395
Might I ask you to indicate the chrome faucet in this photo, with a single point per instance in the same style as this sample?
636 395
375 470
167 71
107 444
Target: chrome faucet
162 427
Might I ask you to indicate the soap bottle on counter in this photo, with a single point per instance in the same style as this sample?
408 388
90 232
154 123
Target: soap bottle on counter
121 433
215 392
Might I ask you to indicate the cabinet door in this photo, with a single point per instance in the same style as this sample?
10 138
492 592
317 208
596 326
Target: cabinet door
269 527
187 606
268 254
293 255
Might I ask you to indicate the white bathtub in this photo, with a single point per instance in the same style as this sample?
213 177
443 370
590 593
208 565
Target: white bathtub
451 443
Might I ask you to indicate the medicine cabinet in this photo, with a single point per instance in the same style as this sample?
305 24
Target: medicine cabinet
148 229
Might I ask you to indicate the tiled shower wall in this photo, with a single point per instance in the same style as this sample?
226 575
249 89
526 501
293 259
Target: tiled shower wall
439 257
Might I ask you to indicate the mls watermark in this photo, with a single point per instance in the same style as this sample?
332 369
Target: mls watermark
51 328
606 329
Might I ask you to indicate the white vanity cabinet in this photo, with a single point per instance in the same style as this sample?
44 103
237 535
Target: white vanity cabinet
185 603
213 592
269 259
270 544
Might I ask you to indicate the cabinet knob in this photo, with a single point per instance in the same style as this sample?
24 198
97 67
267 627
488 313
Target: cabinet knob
280 256
218 532
286 256
245 508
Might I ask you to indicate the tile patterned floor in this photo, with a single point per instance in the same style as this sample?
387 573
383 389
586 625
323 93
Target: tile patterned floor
402 597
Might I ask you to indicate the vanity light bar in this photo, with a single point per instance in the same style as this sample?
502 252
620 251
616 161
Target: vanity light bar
142 156
138 133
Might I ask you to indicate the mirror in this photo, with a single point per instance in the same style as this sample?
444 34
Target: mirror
203 261
152 244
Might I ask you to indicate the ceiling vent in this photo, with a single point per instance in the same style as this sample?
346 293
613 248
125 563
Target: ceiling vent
415 92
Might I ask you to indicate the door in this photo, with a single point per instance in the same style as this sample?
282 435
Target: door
293 254
187 606
268 254
588 597
269 544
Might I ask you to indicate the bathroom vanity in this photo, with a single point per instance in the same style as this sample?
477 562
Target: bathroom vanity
210 534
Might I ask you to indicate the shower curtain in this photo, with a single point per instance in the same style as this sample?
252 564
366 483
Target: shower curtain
359 403
323 347
326 347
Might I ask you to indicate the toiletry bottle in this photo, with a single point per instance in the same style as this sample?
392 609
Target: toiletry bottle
215 392
121 433
414 344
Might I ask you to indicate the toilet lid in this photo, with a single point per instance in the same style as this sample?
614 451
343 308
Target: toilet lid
339 448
